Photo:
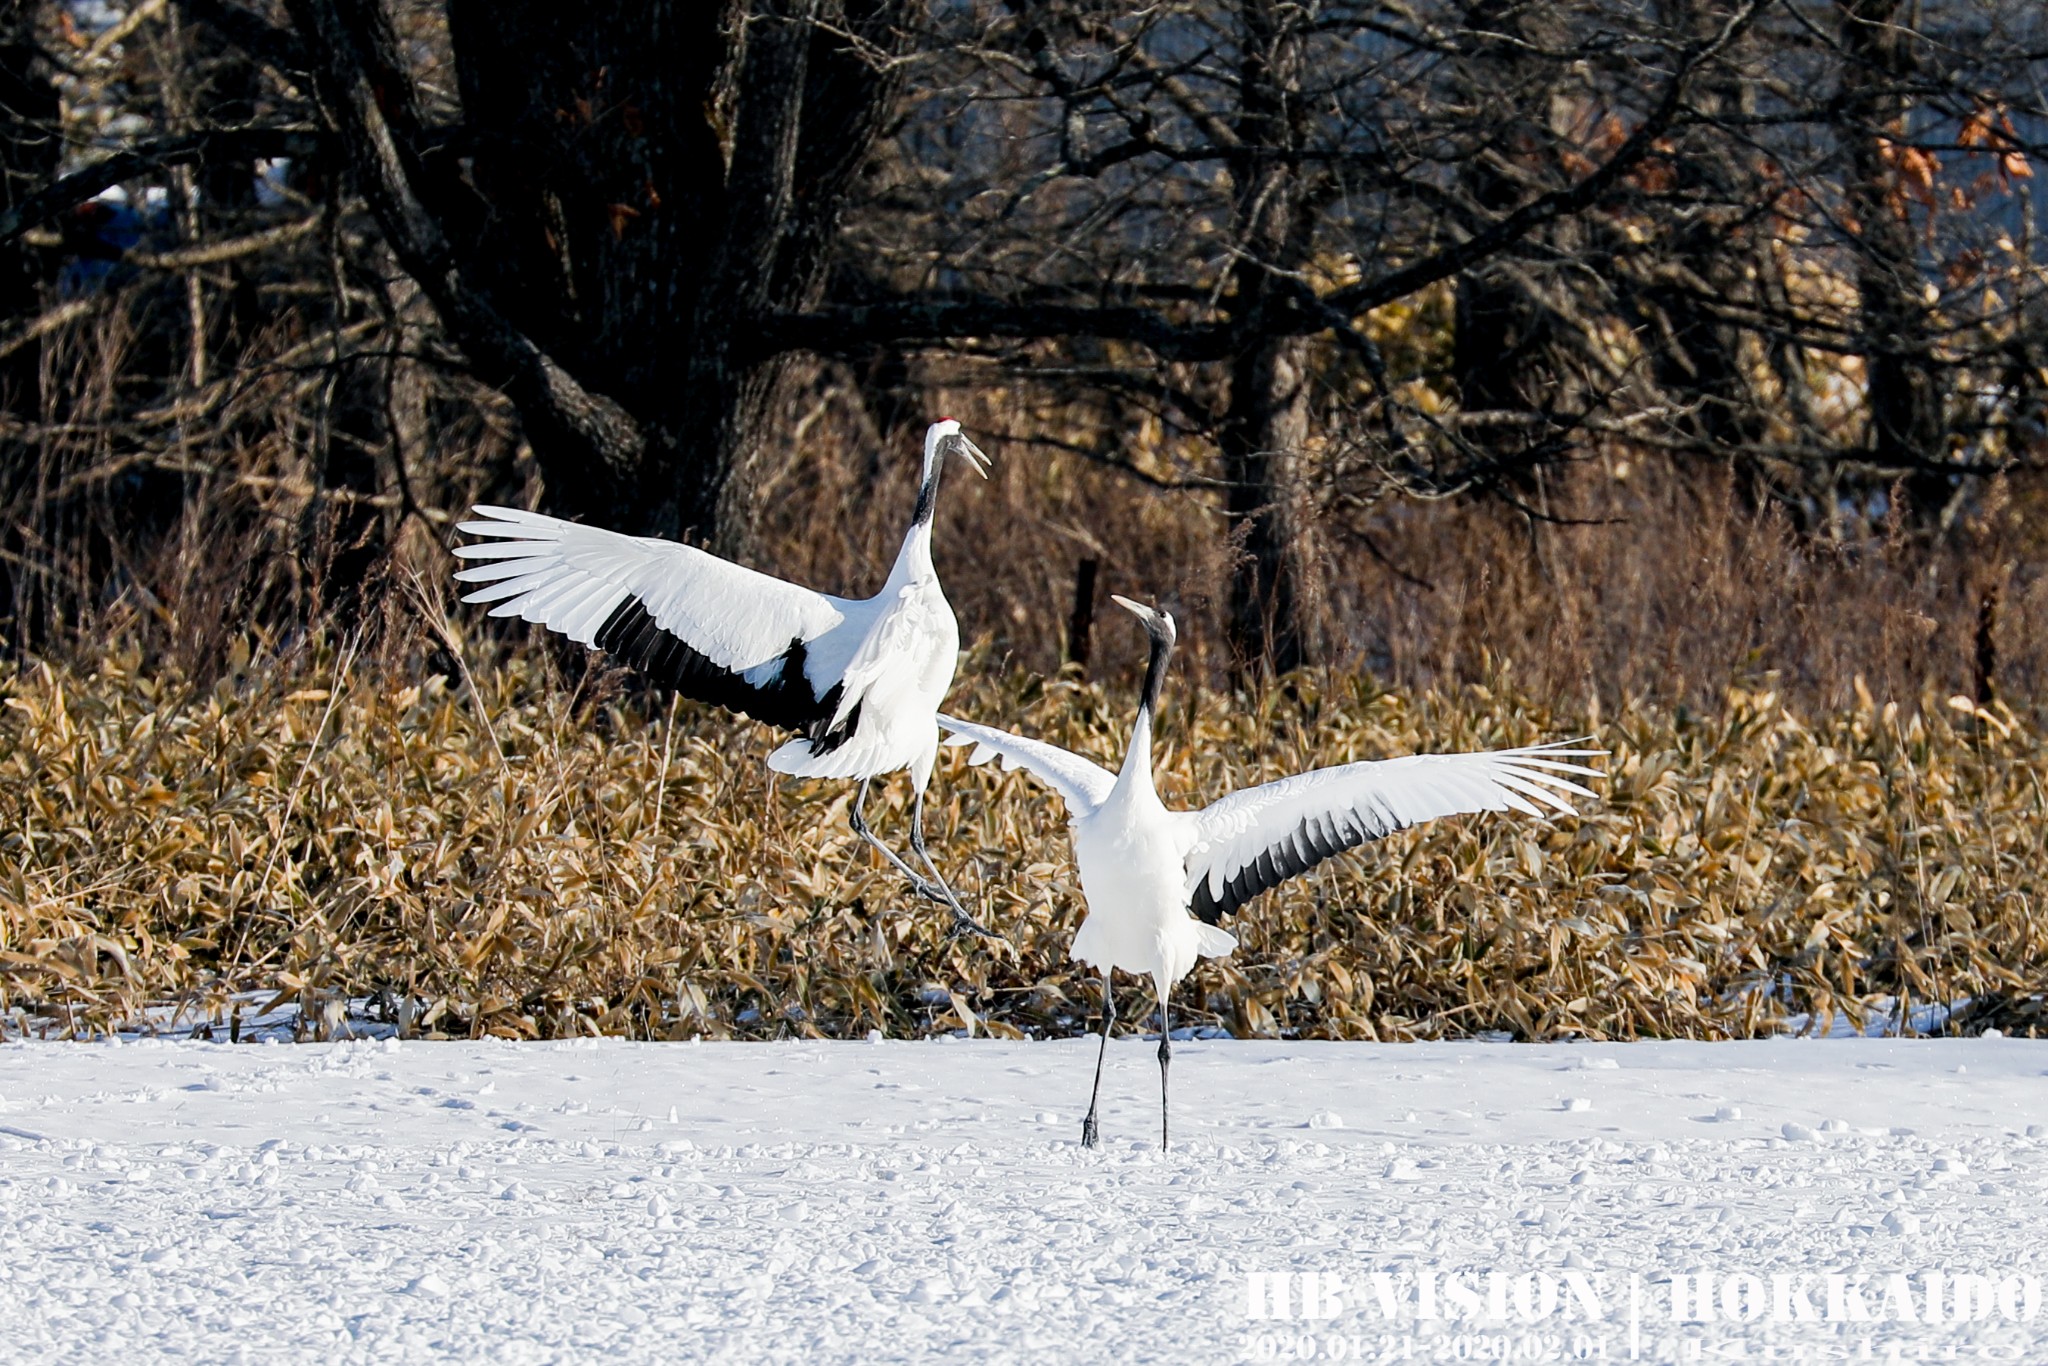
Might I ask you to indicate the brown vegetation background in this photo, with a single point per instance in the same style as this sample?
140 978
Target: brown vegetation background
503 849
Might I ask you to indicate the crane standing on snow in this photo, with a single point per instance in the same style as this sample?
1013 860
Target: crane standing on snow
1144 868
859 680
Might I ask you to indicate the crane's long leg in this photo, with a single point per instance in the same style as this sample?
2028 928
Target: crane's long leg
1165 1057
1090 1136
861 828
963 923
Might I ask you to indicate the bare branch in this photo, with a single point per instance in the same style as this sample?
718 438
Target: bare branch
186 149
1548 208
69 311
861 327
555 407
214 253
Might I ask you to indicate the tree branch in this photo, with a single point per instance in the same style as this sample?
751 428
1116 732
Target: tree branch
266 42
850 329
42 326
213 253
1371 294
859 327
571 427
186 149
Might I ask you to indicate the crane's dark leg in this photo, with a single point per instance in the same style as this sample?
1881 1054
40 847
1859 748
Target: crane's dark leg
1090 1136
861 828
1165 1058
963 923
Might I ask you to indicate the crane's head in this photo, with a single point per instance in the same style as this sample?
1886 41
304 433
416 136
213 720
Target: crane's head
945 438
1158 624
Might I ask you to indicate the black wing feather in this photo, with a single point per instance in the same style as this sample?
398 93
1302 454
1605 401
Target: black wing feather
787 699
1313 841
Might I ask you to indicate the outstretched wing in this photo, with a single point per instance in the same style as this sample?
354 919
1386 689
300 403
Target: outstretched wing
708 628
1081 784
1261 836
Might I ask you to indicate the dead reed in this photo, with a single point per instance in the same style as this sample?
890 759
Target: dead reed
481 845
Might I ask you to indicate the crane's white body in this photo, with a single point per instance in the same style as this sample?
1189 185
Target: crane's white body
894 656
1132 856
884 661
1142 866
1156 881
859 679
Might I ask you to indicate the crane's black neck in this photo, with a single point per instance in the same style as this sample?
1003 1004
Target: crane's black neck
928 491
1155 670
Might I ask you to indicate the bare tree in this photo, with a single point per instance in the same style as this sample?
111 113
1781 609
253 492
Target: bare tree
1905 386
29 155
1296 264
1233 188
638 189
1275 616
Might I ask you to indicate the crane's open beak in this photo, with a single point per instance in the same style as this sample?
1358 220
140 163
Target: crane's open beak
972 454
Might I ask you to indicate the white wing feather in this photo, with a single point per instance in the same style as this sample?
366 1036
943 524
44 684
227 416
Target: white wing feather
1345 805
1081 784
570 578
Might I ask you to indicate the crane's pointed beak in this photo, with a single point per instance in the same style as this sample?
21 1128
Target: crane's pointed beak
976 459
1149 615
1159 625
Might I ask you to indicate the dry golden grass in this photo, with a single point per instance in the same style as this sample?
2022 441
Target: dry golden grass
541 857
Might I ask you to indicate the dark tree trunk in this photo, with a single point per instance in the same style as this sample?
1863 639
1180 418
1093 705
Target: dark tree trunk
1275 590
226 89
648 180
29 153
1904 387
1696 356
1502 336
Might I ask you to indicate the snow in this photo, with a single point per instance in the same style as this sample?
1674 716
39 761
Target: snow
887 1200
1880 1020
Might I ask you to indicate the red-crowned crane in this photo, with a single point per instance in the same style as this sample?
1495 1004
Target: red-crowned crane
858 679
1157 882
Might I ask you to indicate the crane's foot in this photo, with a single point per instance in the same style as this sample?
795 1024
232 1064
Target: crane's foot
1091 1137
963 923
966 926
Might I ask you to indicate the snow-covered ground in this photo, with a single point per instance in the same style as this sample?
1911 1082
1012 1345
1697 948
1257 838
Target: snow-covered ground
385 1201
